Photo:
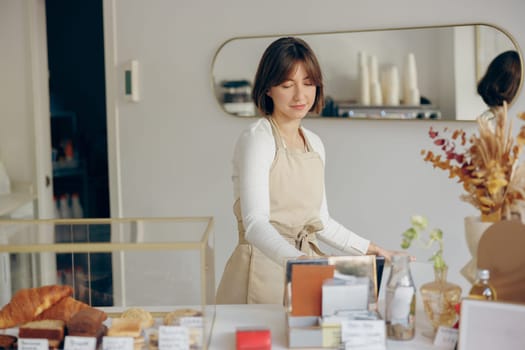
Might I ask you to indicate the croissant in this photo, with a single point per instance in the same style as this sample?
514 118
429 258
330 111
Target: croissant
27 304
63 310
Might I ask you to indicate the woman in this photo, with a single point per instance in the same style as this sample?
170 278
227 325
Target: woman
278 179
500 82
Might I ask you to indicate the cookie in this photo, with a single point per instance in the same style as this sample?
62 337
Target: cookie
172 318
145 317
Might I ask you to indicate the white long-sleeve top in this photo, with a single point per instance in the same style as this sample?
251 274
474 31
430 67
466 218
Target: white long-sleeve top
253 156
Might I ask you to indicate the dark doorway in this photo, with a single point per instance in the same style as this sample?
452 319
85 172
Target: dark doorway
75 41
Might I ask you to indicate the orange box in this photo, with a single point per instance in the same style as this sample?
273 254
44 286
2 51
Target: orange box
307 285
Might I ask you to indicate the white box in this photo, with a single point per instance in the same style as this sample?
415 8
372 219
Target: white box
343 295
491 325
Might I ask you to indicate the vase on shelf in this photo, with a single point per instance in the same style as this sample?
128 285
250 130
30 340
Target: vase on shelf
474 228
440 298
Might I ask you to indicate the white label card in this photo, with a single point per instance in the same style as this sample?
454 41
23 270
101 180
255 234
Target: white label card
80 343
401 303
173 338
446 338
363 334
191 322
117 343
33 344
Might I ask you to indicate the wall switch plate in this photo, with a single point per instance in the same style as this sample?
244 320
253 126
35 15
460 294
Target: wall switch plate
131 81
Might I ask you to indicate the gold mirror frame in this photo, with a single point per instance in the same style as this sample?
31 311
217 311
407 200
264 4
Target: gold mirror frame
466 104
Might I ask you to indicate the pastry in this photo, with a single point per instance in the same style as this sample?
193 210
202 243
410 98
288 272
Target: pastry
172 318
145 318
127 327
99 333
195 333
154 340
138 342
63 310
124 327
87 322
27 304
52 330
7 342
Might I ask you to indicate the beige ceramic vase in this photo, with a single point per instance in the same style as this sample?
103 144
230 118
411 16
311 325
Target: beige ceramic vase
474 228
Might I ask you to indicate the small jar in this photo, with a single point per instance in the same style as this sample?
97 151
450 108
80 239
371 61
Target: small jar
482 289
236 91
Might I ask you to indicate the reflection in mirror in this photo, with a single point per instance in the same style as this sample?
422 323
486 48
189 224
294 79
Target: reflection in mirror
425 73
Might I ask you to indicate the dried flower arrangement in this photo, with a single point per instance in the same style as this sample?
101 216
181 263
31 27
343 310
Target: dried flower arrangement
486 165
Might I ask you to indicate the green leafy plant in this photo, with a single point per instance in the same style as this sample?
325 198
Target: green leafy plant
419 225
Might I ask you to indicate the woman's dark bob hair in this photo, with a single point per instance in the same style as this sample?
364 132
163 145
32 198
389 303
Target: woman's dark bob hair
276 66
502 79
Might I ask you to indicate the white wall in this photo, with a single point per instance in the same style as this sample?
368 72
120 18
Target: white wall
176 144
466 81
16 128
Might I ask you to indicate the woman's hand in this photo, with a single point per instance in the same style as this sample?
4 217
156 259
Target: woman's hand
304 257
374 249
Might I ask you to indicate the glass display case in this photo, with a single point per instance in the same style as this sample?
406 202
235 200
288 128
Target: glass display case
158 264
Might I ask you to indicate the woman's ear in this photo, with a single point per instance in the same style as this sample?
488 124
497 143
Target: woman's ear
269 93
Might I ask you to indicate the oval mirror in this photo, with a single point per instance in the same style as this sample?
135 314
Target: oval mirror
404 73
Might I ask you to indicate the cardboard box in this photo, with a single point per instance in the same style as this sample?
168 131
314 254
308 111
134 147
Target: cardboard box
304 301
344 295
303 334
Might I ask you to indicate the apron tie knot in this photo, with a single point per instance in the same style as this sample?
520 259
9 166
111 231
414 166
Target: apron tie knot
307 235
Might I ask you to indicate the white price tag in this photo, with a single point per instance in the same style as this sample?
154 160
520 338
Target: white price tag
363 334
446 338
195 329
191 322
117 343
80 343
33 344
173 338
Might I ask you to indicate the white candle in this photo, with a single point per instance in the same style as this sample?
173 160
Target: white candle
364 85
410 86
390 85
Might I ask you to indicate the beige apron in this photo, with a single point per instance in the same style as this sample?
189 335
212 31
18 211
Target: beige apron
296 194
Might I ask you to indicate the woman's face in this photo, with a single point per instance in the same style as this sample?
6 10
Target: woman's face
293 98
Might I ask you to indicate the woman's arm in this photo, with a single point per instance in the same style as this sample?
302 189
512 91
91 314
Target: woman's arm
374 249
253 158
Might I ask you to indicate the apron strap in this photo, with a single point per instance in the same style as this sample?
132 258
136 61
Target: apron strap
307 143
279 143
240 226
304 237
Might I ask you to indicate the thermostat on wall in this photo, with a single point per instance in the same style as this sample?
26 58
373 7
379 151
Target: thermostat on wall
131 81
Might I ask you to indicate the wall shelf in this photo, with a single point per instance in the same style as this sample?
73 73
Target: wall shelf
350 110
